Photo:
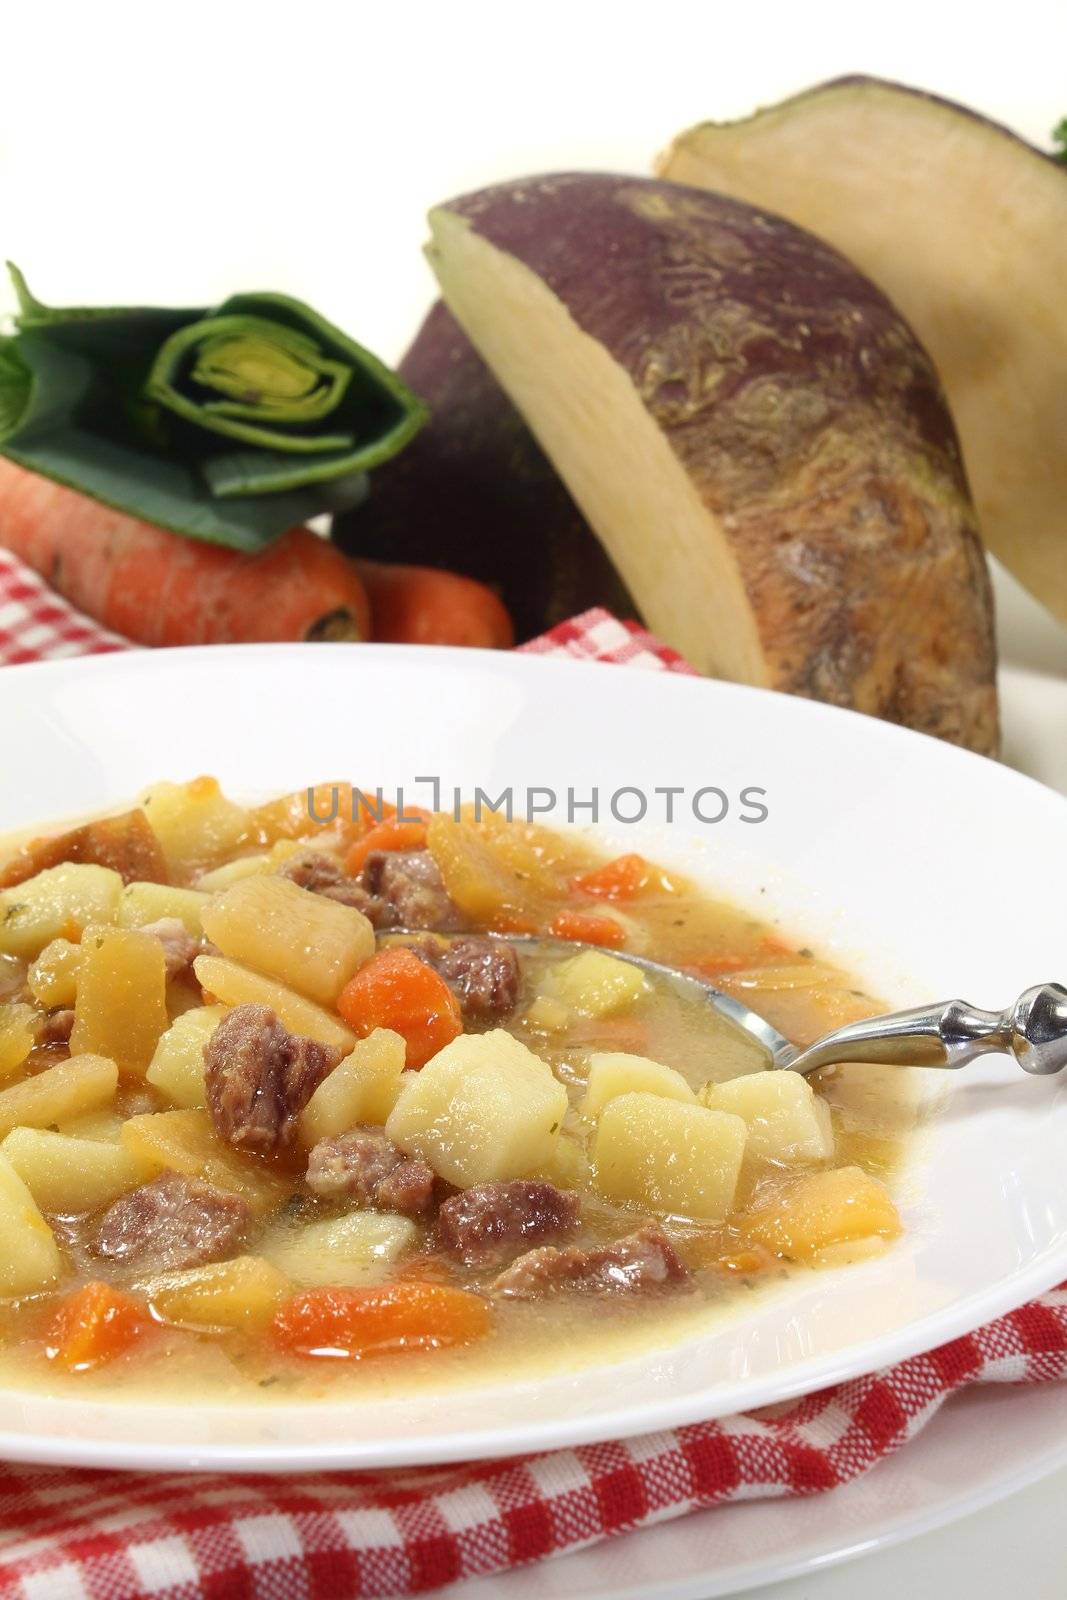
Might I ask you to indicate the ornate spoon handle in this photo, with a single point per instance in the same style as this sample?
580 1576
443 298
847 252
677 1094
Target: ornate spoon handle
1033 1030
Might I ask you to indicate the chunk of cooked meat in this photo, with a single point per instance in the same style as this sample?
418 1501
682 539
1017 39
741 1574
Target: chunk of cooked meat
321 874
180 947
483 973
126 844
487 1224
410 883
366 1167
312 870
56 1026
172 1222
259 1077
645 1260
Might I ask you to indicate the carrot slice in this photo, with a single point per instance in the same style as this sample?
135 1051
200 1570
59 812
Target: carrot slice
588 928
380 1320
621 879
386 835
394 989
95 1324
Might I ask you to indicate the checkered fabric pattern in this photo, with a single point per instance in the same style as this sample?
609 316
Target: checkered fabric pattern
89 1535
37 625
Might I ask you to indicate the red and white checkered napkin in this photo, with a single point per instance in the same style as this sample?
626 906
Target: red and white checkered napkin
67 1535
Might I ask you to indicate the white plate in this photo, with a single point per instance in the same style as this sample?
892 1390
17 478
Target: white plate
930 871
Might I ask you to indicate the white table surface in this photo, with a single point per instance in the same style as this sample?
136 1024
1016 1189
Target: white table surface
1018 1547
180 152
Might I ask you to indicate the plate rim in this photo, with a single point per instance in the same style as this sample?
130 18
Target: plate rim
625 1420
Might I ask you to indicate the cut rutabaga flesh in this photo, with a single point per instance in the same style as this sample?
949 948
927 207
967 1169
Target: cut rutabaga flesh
310 943
965 227
786 1119
672 1158
751 429
484 1108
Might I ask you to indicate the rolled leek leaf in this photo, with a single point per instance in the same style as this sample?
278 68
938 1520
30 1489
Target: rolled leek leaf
228 425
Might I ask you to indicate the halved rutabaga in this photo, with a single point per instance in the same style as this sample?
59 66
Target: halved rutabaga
965 226
751 430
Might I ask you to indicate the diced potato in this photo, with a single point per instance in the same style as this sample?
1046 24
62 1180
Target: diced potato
235 985
230 872
67 1175
194 822
593 984
102 1125
185 1141
177 1068
355 1248
18 1033
84 1083
244 1292
569 1167
142 903
363 1088
546 1014
614 1072
29 1256
53 977
484 1107
786 1119
666 1156
57 904
822 1209
312 944
121 1008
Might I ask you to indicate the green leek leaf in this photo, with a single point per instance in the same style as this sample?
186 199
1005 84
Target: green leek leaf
228 425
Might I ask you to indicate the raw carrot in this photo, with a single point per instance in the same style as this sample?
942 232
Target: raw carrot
394 989
160 588
588 928
389 835
95 1324
425 605
380 1320
620 879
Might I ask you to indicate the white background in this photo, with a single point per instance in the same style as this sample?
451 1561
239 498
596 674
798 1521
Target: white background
174 153
179 153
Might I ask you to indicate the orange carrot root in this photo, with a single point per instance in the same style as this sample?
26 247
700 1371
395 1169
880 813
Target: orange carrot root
160 588
422 605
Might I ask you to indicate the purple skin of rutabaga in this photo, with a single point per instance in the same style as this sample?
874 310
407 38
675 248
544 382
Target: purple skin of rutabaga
807 416
475 493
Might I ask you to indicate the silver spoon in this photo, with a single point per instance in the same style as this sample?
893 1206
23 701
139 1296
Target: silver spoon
948 1034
